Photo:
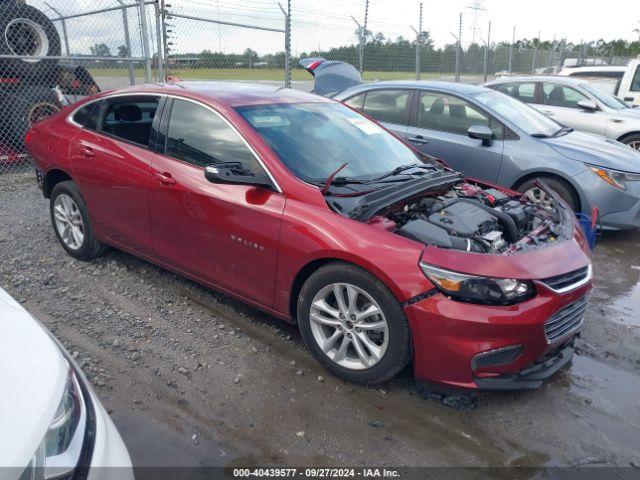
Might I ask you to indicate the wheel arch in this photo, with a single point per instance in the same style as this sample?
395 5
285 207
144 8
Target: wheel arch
52 178
312 266
624 136
554 175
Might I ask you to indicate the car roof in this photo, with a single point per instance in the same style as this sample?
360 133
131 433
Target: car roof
231 94
539 78
463 88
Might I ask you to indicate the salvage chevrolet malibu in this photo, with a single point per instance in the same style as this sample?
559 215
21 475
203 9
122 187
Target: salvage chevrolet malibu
53 425
302 207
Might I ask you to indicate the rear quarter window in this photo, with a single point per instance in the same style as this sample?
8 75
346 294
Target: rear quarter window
87 116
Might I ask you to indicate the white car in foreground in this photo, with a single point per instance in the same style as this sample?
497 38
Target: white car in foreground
52 423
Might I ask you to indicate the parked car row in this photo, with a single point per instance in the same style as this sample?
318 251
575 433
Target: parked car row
498 138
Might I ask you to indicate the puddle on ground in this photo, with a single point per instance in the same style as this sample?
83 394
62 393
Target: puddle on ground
617 277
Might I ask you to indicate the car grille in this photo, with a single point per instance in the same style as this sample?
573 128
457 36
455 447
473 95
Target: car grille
566 321
568 281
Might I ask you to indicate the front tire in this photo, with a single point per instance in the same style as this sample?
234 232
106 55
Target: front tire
632 141
353 325
539 197
70 220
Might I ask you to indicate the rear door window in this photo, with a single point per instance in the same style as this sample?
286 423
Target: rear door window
556 95
387 105
525 92
130 118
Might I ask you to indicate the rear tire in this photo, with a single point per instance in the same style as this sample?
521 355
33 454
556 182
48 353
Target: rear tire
20 108
70 220
368 344
561 187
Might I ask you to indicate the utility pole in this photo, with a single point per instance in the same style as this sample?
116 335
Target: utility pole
418 42
363 43
459 50
360 45
513 42
535 54
487 44
458 47
477 6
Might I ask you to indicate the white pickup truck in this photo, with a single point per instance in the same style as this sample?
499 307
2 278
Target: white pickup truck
624 81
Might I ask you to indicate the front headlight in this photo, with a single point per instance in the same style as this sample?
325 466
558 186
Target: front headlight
615 178
61 448
475 289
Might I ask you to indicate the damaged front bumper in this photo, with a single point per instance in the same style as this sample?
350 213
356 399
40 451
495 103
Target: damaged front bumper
532 376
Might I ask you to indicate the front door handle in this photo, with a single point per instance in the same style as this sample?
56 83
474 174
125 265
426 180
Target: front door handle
87 151
548 112
164 178
419 139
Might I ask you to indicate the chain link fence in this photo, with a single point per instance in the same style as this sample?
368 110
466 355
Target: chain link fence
54 52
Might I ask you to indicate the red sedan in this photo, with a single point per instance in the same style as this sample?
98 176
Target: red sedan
310 211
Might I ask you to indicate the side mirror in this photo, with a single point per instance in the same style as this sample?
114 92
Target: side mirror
588 105
235 173
481 132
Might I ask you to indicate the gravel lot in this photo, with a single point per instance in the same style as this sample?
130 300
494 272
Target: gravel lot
192 377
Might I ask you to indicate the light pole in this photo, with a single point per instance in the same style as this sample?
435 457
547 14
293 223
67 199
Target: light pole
487 43
418 43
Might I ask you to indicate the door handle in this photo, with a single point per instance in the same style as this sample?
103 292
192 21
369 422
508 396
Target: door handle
87 151
419 139
628 99
165 178
548 112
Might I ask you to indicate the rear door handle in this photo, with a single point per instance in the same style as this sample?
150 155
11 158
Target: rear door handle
628 99
548 112
87 151
165 178
419 139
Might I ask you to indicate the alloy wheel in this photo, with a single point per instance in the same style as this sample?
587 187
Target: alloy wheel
539 197
349 326
635 145
68 221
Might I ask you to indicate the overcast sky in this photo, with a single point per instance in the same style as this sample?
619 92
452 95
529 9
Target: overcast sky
327 23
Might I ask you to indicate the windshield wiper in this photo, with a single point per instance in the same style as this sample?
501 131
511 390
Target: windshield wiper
398 170
333 180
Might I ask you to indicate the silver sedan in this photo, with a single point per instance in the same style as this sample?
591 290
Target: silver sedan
577 104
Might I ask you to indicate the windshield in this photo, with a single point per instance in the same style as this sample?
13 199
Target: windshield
517 113
605 97
314 139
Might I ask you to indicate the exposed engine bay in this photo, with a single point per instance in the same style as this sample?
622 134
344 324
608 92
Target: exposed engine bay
464 216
